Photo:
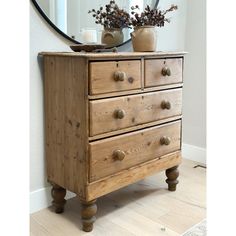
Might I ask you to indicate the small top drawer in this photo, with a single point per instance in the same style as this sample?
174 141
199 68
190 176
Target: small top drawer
163 71
113 76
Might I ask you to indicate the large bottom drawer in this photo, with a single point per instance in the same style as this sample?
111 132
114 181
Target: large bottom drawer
111 155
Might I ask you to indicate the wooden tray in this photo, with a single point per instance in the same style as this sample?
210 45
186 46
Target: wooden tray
87 47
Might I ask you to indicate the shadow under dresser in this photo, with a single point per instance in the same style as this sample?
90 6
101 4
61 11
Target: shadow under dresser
111 119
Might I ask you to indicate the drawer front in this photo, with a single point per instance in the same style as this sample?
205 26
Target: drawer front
112 114
114 76
163 71
111 155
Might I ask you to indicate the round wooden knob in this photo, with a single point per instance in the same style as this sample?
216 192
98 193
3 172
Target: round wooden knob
119 114
119 155
166 71
165 105
165 140
119 76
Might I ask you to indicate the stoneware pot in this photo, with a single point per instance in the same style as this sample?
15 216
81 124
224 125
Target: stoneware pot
144 39
112 37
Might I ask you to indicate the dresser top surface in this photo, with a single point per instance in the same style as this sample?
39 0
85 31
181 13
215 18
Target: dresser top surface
114 54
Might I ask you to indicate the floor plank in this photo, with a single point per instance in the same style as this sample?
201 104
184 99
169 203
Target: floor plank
144 208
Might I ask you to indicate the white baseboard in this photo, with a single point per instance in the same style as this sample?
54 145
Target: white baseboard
41 198
194 153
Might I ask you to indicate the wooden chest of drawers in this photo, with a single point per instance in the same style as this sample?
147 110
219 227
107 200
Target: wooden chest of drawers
111 119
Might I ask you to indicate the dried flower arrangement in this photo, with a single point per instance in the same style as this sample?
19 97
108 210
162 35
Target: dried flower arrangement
144 36
114 19
112 16
150 17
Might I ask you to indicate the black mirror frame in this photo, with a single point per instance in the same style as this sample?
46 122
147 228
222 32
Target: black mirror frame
65 35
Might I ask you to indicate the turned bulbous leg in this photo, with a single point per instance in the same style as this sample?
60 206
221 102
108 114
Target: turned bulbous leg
172 175
88 212
58 194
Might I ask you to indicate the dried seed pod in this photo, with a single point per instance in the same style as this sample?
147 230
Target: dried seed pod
153 17
111 16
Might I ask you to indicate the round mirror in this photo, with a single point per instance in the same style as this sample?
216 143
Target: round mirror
71 19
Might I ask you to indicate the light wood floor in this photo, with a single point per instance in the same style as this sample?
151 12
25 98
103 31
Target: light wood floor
145 208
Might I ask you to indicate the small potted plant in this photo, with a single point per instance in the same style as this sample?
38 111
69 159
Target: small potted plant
144 36
114 20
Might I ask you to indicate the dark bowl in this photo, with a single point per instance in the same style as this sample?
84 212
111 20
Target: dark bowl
87 47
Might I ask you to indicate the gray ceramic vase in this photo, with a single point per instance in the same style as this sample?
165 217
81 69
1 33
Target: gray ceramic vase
112 37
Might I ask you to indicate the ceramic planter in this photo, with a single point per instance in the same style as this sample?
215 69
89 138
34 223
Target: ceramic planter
144 39
112 37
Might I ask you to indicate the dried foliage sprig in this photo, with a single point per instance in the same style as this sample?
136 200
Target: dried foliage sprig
152 17
111 16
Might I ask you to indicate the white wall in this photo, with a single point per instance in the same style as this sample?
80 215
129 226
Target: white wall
171 37
194 96
44 38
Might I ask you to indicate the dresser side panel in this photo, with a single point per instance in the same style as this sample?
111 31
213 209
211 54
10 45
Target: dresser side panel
65 89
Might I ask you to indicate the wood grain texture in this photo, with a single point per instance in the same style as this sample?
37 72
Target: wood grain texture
65 90
138 147
102 78
138 109
117 55
131 175
153 71
89 97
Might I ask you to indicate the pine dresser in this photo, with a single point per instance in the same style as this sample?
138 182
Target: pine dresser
111 119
